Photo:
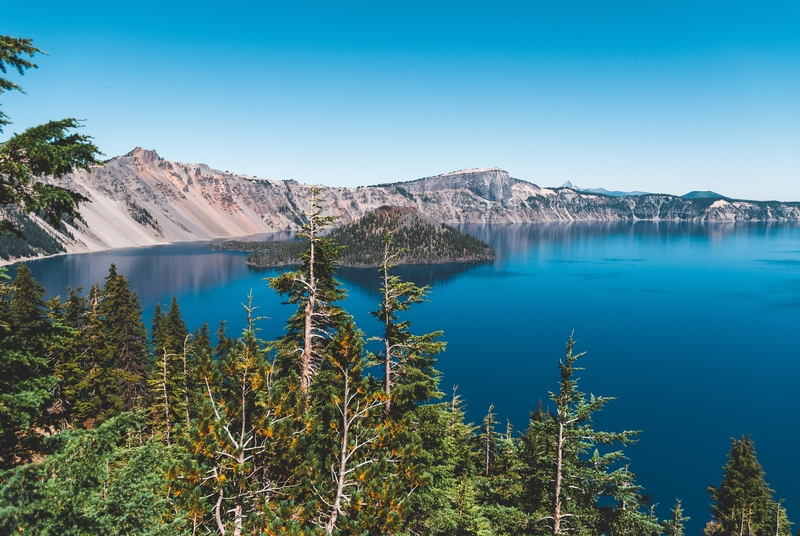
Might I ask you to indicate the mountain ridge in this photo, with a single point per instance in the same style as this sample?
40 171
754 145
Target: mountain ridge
140 199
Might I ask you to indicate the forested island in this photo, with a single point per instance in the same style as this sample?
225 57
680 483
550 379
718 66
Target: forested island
109 428
416 238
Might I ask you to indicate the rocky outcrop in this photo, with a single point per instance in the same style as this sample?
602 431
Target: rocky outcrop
140 199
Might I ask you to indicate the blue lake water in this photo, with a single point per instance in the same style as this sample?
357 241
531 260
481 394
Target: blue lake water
694 328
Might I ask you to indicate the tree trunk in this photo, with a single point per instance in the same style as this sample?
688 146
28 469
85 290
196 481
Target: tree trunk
308 333
186 379
387 323
342 471
166 395
557 515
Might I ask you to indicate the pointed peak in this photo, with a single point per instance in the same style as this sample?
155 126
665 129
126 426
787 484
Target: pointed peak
147 155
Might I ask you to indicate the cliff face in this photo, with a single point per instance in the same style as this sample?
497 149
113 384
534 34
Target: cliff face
140 199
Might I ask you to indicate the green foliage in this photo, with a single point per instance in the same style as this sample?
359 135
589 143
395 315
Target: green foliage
26 375
572 479
103 481
420 240
743 502
226 440
122 314
45 150
408 360
314 289
361 243
12 54
169 371
90 378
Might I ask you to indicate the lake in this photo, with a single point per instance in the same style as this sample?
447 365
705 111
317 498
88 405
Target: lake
694 328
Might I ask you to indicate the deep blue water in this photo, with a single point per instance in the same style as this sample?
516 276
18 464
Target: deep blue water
694 328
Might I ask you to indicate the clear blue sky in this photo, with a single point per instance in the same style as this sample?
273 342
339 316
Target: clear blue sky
640 95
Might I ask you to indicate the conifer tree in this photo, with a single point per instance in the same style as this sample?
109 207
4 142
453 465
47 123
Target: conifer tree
489 439
122 316
26 375
356 429
674 525
238 438
313 289
169 369
224 342
90 378
743 503
44 150
579 476
408 360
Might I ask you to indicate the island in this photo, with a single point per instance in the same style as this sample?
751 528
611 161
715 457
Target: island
418 239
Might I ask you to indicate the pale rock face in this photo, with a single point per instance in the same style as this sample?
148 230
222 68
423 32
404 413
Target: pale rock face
141 199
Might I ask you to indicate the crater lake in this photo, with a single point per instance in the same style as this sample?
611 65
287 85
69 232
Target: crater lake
694 328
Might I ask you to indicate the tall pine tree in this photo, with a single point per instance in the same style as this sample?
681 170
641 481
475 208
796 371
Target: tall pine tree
313 289
743 503
122 315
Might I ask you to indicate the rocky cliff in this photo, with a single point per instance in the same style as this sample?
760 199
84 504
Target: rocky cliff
140 199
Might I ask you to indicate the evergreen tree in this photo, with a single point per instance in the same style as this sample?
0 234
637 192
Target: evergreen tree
674 525
574 478
239 440
408 360
169 369
122 316
348 407
313 289
101 481
44 150
743 503
448 503
90 377
26 374
224 342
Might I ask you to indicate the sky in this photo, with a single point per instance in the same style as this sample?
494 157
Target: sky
627 95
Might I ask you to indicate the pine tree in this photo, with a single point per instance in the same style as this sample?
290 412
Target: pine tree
169 369
743 503
408 360
90 378
313 289
575 477
26 374
122 316
44 150
238 438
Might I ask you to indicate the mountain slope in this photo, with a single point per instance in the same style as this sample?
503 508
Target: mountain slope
140 199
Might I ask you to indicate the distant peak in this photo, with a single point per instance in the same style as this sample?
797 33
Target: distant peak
702 194
144 154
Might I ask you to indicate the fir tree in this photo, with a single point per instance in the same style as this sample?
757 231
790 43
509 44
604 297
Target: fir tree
169 369
122 316
356 429
44 150
27 381
408 360
579 476
313 289
674 525
743 503
238 438
90 378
